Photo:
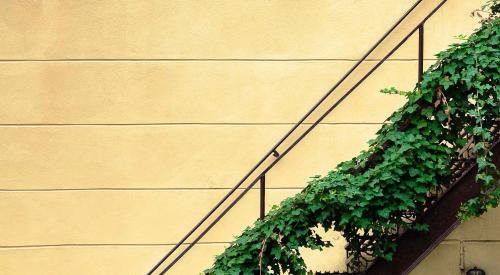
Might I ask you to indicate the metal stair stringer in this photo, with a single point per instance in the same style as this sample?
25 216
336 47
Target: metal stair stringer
412 246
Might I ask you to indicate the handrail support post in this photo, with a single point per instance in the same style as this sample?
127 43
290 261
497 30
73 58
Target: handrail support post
420 52
262 196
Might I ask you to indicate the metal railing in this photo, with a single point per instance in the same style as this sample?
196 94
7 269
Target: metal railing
274 152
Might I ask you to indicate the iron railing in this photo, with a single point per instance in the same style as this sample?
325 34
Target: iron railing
274 152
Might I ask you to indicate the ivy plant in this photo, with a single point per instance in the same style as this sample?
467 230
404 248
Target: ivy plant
373 196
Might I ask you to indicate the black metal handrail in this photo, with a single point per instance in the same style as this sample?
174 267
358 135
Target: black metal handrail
274 150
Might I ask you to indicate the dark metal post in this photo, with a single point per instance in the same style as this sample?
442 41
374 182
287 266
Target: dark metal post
420 52
262 196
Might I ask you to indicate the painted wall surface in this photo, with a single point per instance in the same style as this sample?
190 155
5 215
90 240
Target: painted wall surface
122 121
473 243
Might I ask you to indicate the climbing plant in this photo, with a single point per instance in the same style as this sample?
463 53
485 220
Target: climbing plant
370 198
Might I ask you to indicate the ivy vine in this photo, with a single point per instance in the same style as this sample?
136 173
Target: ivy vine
381 191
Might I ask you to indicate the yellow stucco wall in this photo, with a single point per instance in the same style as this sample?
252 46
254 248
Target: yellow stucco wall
474 243
122 121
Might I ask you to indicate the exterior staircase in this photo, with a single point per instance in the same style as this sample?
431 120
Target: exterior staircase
412 246
441 217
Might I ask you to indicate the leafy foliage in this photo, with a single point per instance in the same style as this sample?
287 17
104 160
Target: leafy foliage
376 194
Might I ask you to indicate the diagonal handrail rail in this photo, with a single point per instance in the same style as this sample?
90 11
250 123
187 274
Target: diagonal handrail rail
273 150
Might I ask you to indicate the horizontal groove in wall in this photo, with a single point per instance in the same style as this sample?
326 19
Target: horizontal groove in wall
138 189
470 241
181 124
102 245
211 60
34 246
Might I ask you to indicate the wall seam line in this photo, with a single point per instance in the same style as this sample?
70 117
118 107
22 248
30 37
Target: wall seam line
181 124
99 245
137 189
207 60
